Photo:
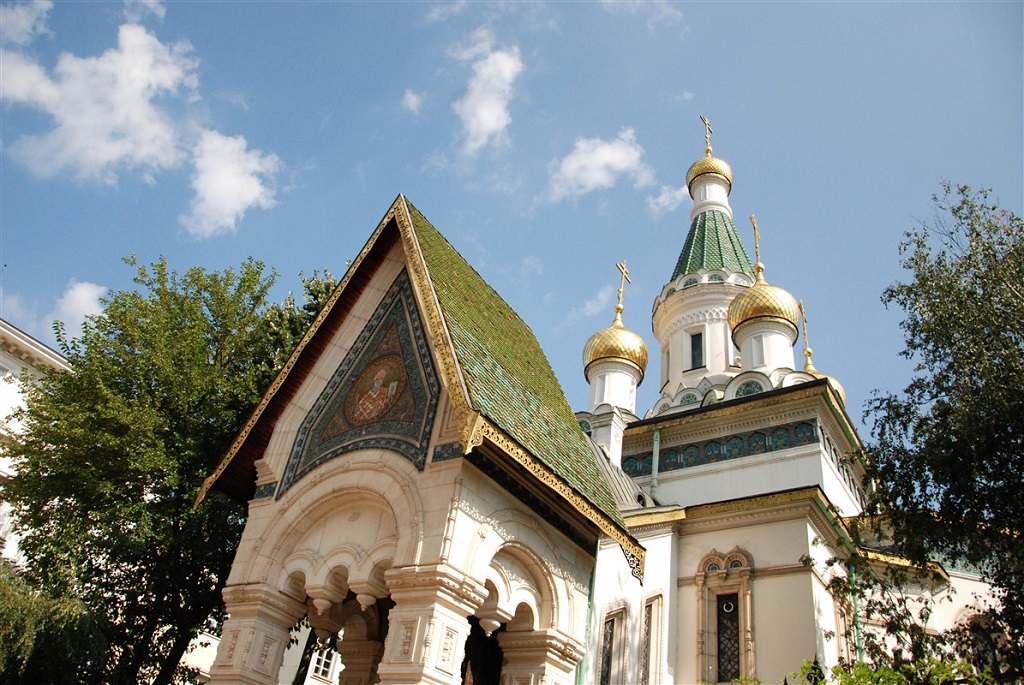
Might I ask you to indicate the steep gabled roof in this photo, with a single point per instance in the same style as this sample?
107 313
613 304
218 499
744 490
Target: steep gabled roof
712 243
499 381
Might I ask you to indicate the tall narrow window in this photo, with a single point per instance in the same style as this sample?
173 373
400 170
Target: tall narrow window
728 638
611 649
607 644
723 619
649 641
696 350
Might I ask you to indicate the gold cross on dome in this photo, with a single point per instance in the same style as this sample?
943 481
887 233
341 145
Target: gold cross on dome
757 239
707 134
622 282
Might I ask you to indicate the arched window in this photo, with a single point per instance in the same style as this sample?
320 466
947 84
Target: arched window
725 641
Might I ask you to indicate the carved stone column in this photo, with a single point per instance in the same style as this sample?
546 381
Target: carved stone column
360 658
427 627
255 635
539 656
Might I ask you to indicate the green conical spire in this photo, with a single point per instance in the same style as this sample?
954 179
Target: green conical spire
713 243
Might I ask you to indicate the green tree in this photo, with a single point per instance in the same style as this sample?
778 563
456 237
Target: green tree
922 672
115 451
44 640
948 451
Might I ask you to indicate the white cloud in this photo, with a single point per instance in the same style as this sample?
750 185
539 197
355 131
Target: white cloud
412 101
136 10
530 267
686 96
79 300
484 108
601 301
595 163
20 23
228 180
668 200
103 110
657 11
443 10
106 120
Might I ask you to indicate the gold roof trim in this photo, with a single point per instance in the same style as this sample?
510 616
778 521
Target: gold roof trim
634 551
467 419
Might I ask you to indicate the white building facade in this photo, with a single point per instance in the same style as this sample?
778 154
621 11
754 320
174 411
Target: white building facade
420 491
22 359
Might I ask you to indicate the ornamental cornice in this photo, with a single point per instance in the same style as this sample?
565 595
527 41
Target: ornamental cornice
808 503
436 581
760 574
631 548
253 600
668 323
755 407
553 644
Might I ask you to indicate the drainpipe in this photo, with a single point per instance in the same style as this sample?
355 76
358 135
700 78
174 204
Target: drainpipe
654 464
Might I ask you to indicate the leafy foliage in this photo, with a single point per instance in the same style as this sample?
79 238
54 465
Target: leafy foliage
948 453
34 629
114 453
921 672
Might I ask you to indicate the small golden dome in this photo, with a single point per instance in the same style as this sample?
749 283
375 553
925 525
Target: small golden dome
618 344
763 302
709 165
809 368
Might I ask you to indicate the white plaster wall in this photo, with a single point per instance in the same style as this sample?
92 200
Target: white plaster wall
783 614
759 474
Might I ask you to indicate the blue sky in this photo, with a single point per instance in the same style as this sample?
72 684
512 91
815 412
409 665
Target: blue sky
546 140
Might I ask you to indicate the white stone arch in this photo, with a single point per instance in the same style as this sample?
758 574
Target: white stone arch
374 485
517 539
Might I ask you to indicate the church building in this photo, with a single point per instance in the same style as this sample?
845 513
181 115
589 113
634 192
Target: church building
421 491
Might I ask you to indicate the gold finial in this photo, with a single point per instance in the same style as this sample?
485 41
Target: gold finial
622 286
759 267
707 135
808 365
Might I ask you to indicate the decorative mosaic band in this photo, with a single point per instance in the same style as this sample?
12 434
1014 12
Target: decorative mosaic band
732 447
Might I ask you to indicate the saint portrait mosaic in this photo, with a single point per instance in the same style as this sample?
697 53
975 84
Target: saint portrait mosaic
383 394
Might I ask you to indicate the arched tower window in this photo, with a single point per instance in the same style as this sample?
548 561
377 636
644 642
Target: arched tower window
725 641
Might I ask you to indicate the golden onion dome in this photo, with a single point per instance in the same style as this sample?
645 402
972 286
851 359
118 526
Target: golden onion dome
762 302
616 343
709 165
809 368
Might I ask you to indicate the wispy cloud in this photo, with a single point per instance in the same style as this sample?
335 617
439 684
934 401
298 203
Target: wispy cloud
126 111
595 163
442 10
600 302
668 200
229 179
79 300
20 23
137 10
656 11
484 108
412 101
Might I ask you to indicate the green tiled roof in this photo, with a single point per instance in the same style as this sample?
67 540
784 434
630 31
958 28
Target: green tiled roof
509 379
712 243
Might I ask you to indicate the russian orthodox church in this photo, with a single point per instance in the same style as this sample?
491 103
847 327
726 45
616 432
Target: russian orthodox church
420 490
